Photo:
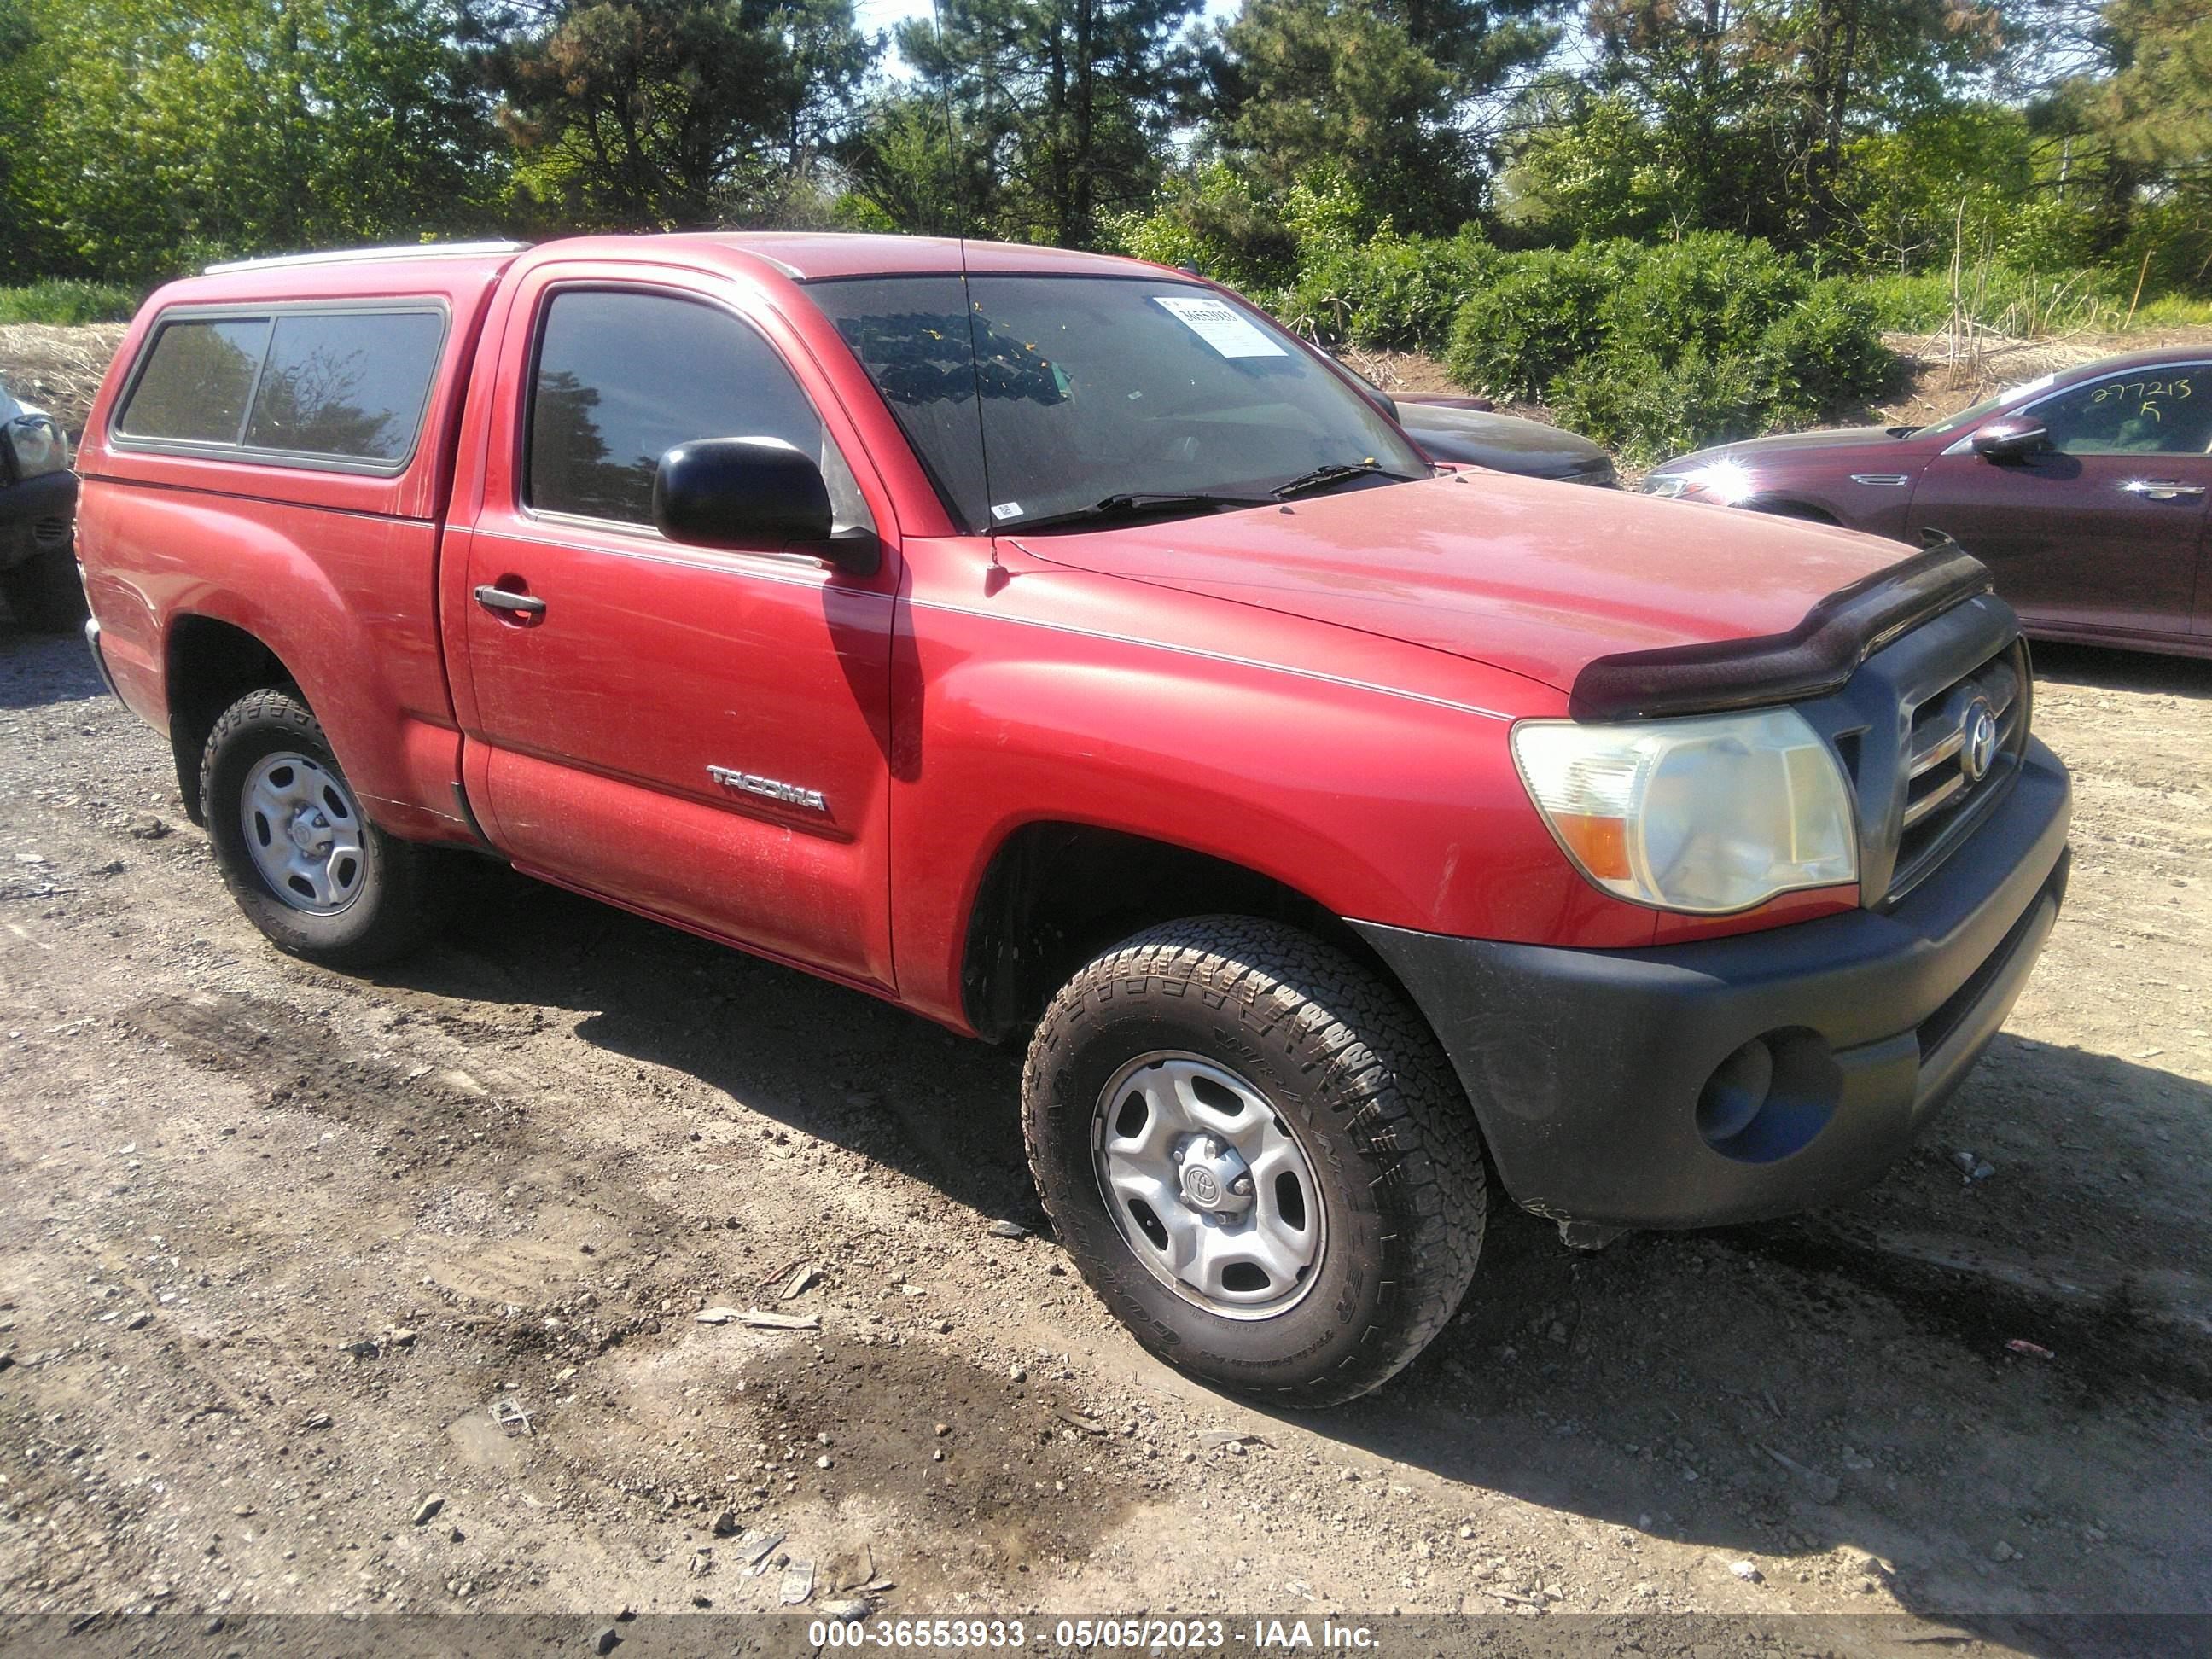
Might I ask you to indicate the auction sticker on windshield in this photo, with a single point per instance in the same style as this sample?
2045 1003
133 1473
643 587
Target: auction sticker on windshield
1218 326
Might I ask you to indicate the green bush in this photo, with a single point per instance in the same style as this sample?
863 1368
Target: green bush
68 303
1653 350
1710 292
1217 226
1645 408
1540 314
1909 304
1815 359
1824 353
1399 293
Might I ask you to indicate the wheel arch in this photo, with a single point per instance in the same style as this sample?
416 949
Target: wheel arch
1790 508
207 666
1056 892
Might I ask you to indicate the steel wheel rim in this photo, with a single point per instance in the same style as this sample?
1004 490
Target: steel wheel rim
303 833
1172 1136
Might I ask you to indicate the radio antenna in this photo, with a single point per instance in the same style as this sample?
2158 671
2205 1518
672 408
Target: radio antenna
962 209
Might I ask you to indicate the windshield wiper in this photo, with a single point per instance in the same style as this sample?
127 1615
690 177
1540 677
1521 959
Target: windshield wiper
1343 472
1901 431
1137 504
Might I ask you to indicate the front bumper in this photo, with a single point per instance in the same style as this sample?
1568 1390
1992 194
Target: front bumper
35 516
1593 1073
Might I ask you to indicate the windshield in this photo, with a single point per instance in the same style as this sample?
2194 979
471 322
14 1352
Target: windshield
1974 413
1099 388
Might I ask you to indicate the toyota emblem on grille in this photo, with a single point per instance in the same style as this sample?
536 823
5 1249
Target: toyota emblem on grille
1978 739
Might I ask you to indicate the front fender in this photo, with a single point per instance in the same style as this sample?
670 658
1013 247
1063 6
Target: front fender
1376 800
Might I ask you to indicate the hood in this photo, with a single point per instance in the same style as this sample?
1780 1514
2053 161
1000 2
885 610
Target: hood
1509 571
1782 443
1504 441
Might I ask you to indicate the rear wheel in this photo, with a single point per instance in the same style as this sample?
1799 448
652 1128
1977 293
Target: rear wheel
296 851
1258 1157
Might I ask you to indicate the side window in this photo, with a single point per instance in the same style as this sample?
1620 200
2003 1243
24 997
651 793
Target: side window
2141 411
195 381
346 383
334 386
624 377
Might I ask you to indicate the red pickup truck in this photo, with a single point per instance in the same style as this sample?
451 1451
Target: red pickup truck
1053 646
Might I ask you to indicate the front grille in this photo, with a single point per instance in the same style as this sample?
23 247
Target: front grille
1897 727
1945 774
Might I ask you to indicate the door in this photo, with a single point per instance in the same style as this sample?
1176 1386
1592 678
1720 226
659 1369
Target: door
2102 530
697 732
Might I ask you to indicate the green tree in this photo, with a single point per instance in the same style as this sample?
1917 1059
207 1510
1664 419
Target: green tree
2159 106
653 114
1740 114
1061 112
2116 92
162 136
903 163
26 250
1393 93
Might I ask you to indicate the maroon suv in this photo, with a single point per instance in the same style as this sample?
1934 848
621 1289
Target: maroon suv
2084 491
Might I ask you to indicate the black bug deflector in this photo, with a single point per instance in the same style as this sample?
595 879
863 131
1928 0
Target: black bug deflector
1810 661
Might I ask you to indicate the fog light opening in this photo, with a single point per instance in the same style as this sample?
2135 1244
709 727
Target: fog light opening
1735 1092
1769 1098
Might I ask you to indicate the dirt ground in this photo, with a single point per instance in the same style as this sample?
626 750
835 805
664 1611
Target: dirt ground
286 1256
322 1293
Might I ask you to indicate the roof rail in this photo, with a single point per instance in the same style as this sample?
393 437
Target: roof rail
346 256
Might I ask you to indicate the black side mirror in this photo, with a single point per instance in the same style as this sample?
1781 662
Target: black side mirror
754 493
2011 440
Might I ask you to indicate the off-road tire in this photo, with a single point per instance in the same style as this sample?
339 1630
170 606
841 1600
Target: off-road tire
44 592
1385 1125
406 890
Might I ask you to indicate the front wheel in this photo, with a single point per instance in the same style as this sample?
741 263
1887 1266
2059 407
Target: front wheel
1257 1156
297 853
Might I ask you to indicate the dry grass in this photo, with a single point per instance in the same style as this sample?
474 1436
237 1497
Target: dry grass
57 368
1947 373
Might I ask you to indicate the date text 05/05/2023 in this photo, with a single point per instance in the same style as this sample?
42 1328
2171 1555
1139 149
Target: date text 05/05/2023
1094 1635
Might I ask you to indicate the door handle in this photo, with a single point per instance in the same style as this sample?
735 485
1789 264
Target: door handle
505 602
2161 489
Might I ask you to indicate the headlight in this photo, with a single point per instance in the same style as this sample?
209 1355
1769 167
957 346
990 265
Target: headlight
36 445
1725 482
1707 816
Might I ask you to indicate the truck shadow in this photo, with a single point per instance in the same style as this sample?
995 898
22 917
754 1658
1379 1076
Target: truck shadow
819 1059
1848 1381
1940 1367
